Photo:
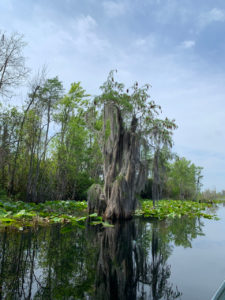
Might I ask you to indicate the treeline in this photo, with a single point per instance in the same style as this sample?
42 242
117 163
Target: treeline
50 148
46 149
178 177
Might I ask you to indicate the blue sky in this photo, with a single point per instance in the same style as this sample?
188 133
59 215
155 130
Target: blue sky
176 46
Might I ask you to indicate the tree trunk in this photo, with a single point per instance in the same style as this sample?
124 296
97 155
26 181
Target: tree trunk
124 173
11 188
156 178
96 199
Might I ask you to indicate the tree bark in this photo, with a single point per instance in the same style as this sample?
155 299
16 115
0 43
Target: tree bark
124 173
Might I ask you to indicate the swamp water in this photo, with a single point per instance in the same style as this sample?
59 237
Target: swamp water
138 259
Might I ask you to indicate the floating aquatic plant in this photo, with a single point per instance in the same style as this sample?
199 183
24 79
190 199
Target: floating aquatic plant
20 214
174 208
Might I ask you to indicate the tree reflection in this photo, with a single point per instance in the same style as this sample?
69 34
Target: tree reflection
128 261
130 268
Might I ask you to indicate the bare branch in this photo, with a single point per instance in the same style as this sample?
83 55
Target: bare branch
12 63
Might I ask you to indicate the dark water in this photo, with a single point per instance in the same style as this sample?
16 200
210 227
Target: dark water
138 259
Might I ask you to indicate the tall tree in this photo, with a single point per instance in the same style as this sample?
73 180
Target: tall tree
49 96
71 142
184 179
12 62
161 134
128 120
10 119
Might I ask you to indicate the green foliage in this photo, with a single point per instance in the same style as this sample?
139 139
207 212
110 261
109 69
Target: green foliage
211 196
172 209
98 125
46 149
50 93
134 101
3 194
138 114
20 214
183 179
51 149
73 148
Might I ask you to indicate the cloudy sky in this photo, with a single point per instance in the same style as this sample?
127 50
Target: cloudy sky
176 46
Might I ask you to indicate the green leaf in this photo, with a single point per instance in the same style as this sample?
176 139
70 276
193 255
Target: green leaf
8 220
106 224
93 215
82 219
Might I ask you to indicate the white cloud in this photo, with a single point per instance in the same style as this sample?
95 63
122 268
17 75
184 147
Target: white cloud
114 9
214 15
188 44
85 36
85 24
78 38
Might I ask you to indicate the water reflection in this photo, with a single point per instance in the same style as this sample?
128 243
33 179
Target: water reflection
128 261
132 264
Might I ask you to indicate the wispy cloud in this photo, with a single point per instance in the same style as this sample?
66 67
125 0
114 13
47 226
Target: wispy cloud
86 24
114 9
85 36
188 44
214 15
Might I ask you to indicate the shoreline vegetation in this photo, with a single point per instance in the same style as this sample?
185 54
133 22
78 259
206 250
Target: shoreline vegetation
65 144
20 215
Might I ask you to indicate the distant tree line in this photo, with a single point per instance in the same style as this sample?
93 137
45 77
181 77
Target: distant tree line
51 146
179 179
